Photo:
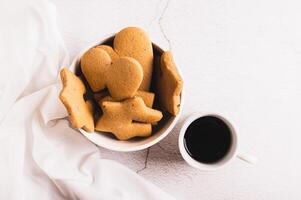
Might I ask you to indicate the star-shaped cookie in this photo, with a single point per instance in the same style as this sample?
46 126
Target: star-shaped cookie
80 111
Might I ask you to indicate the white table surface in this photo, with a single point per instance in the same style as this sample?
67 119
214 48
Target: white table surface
239 58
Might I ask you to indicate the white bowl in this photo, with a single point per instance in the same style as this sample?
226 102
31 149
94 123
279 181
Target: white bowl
107 140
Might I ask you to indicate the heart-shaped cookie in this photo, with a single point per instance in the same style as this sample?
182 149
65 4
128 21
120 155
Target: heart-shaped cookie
122 77
134 42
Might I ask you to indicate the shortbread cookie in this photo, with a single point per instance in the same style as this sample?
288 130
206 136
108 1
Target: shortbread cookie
168 84
148 97
80 112
127 119
134 42
122 77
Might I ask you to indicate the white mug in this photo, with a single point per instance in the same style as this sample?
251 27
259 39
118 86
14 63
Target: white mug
232 153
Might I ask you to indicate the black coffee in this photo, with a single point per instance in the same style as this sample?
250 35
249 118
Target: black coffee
207 139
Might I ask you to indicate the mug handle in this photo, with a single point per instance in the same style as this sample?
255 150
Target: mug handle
247 158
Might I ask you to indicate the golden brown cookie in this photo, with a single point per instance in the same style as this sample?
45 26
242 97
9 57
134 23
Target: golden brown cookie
80 112
148 97
94 65
168 84
89 127
134 42
127 119
122 77
110 51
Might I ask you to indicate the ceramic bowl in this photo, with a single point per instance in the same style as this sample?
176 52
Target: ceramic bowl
107 140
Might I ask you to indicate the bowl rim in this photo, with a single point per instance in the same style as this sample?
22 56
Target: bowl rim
90 136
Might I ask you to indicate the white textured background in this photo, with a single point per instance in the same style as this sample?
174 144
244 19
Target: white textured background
239 58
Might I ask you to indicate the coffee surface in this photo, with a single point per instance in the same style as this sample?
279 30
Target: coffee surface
207 139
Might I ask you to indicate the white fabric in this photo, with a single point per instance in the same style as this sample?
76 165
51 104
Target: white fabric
41 156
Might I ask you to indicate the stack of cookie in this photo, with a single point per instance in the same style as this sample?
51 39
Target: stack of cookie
123 83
